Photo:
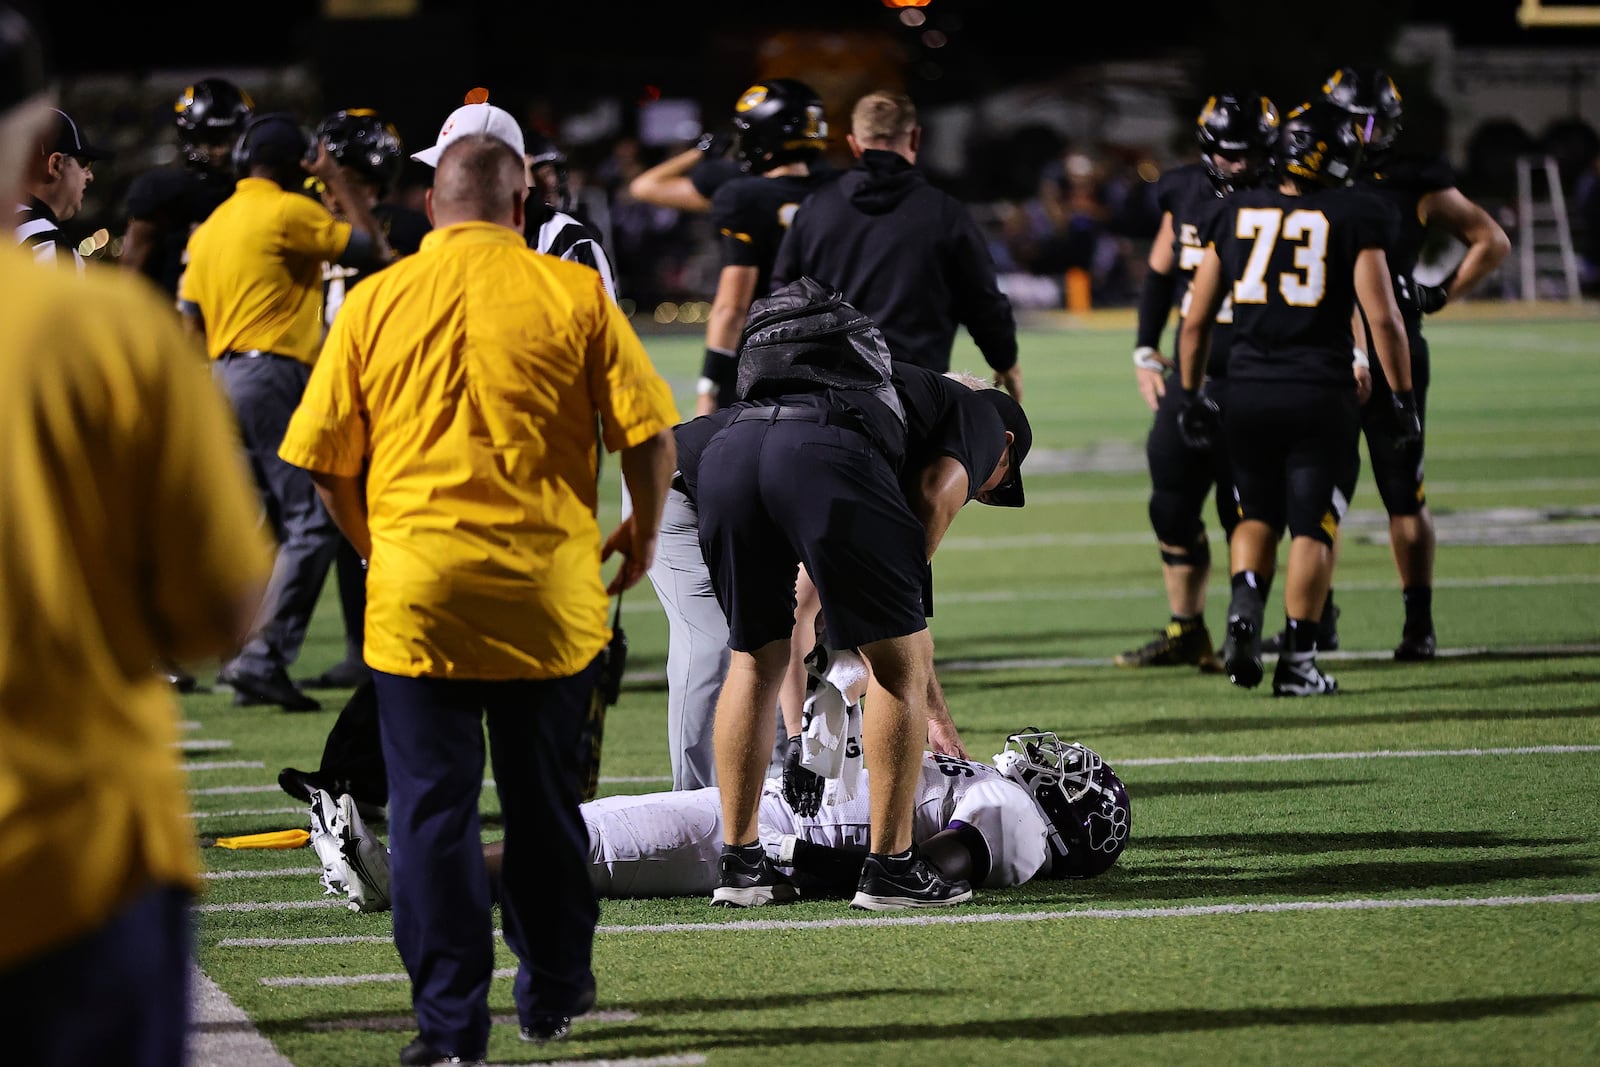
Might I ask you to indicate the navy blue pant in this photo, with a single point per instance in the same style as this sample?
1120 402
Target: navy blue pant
116 997
432 732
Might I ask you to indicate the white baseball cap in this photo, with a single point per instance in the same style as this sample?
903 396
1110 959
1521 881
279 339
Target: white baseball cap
473 118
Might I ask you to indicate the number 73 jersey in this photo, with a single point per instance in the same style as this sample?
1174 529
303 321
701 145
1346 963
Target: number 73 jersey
1288 262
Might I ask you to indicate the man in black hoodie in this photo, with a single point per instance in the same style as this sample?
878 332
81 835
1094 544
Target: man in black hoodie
907 254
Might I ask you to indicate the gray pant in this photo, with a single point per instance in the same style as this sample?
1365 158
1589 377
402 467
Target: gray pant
264 391
697 648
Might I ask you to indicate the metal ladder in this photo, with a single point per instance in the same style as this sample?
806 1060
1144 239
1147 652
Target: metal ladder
1543 236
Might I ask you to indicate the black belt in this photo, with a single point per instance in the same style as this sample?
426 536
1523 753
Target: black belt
679 484
787 413
253 353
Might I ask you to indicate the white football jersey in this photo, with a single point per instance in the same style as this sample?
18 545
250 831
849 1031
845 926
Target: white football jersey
667 844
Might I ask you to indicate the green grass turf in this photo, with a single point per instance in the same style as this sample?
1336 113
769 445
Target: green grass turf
1062 585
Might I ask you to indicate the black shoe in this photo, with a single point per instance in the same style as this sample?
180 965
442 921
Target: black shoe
1416 646
299 784
1244 652
1297 675
745 885
421 1054
275 688
543 1028
1327 635
178 678
346 674
918 886
1180 644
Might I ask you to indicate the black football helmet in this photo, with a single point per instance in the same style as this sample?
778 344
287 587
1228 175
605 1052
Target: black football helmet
212 111
778 121
1242 128
542 152
1320 144
1085 801
1370 95
359 139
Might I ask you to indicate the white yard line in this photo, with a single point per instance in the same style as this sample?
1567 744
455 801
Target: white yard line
278 872
246 811
1382 753
225 765
231 790
943 918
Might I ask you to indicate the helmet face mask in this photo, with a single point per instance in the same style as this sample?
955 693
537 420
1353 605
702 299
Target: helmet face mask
1238 135
776 122
1086 802
210 115
1373 99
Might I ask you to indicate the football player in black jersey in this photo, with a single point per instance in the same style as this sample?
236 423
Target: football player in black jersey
1423 189
1295 258
166 203
781 135
1238 132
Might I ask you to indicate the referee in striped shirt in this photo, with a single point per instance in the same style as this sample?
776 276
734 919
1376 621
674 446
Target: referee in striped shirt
55 186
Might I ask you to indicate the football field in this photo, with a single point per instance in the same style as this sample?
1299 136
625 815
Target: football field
1407 872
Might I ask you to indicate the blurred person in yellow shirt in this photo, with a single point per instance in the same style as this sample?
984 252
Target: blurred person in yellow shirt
474 382
253 291
130 536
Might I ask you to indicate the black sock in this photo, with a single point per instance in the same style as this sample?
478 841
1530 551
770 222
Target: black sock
1302 635
1419 606
897 862
1187 620
751 854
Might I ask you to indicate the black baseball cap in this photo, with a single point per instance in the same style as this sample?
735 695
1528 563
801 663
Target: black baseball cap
70 141
1008 494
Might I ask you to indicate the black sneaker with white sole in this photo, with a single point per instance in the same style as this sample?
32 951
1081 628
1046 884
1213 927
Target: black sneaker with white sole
1244 652
919 885
750 885
1297 675
1416 645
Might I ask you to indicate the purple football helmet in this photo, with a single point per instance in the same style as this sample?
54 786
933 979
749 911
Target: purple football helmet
1085 801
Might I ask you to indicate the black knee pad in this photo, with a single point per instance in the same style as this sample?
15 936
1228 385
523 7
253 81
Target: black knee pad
1175 518
1197 555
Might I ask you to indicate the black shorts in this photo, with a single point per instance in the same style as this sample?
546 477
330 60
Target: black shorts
1295 449
1180 476
773 495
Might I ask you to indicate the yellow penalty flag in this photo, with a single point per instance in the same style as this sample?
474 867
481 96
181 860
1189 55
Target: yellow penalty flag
270 839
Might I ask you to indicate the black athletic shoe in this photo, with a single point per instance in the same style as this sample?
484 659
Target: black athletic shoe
918 886
1297 675
299 784
1416 646
1244 652
346 674
421 1054
1179 645
746 885
1327 635
275 688
543 1028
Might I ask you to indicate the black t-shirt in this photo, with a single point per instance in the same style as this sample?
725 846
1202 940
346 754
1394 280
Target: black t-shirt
175 200
1292 276
1188 194
751 212
1403 182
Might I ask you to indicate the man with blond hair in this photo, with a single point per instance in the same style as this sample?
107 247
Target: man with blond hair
908 255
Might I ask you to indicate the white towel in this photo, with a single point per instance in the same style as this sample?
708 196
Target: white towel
830 741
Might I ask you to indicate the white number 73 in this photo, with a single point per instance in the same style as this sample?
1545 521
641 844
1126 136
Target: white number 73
1308 231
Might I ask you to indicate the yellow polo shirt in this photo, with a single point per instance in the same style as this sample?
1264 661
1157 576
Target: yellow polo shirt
131 532
469 380
255 270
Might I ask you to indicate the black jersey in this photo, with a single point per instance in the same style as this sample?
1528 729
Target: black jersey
751 212
1403 182
175 200
1289 262
1187 194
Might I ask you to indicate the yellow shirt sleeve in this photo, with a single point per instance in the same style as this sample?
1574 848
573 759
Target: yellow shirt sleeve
309 228
634 400
328 431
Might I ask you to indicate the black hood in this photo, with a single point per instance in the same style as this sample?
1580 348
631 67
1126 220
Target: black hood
881 180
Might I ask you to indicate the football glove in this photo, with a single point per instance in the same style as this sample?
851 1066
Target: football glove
1407 423
714 145
802 788
1199 421
1425 298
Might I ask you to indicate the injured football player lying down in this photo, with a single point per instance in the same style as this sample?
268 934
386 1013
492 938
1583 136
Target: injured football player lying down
1044 809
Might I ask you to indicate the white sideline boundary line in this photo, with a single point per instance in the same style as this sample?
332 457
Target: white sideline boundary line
1193 911
221 1034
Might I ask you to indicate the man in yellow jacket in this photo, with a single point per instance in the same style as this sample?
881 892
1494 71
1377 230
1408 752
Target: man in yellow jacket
474 381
